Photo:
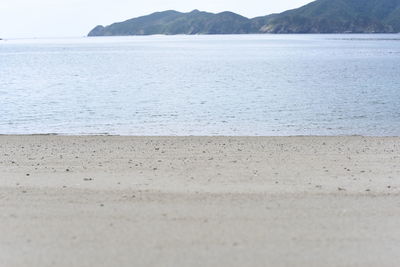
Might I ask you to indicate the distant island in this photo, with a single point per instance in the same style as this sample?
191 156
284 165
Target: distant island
321 16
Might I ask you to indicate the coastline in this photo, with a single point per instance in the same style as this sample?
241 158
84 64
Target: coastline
216 201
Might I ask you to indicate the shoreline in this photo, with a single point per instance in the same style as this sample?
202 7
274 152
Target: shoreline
200 136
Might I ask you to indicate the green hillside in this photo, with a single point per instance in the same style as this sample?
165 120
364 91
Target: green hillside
321 16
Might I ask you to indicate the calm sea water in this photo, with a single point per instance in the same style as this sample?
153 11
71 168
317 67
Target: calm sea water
202 85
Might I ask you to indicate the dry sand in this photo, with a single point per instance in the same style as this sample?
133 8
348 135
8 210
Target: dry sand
199 201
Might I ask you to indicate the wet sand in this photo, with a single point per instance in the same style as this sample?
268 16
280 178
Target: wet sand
199 201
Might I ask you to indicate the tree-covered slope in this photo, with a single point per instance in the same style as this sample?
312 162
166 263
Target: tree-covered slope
321 16
173 22
337 16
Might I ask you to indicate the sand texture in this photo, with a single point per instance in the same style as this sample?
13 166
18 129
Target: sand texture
199 201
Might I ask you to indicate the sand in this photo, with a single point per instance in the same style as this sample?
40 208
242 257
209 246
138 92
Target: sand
199 201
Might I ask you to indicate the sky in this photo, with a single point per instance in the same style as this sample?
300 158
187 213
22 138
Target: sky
73 18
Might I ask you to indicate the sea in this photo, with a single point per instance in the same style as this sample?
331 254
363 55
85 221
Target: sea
204 85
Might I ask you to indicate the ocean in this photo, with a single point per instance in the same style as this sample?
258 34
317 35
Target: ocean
279 85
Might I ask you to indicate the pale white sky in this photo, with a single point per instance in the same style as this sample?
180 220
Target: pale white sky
68 18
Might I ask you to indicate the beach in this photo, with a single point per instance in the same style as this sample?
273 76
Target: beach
199 201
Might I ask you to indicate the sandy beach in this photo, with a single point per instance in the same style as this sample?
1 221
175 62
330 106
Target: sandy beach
199 201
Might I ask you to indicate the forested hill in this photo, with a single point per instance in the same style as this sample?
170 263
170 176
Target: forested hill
321 16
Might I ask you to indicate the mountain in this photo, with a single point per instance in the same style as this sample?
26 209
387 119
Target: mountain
321 16
337 16
173 22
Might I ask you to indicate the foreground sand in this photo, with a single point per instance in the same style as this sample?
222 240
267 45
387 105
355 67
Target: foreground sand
199 201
